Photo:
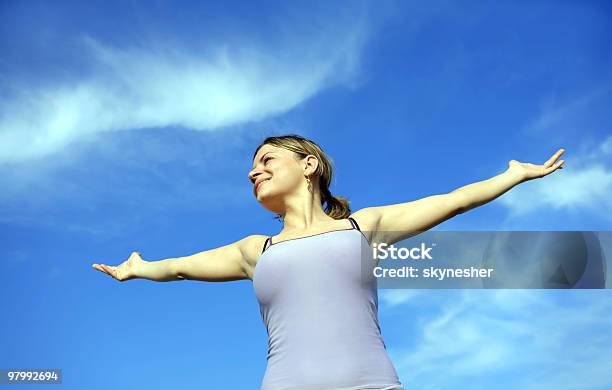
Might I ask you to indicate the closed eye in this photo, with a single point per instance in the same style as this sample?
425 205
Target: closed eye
265 160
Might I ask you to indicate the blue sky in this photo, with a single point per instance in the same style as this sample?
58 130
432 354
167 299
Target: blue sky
131 126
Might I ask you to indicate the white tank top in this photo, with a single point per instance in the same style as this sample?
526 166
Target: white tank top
320 310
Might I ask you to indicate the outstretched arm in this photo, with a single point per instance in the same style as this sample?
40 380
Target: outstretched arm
226 263
397 222
485 191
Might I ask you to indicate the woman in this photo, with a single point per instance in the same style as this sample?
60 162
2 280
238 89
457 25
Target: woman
320 312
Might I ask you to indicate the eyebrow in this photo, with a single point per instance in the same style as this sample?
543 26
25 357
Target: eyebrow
262 157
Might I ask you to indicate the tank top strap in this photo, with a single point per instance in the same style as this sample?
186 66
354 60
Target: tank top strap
267 244
354 223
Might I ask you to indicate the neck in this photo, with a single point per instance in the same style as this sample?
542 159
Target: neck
305 213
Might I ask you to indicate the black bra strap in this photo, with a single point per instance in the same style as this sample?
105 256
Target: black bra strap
268 240
354 223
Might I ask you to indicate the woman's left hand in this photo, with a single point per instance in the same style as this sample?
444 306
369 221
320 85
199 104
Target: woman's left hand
529 171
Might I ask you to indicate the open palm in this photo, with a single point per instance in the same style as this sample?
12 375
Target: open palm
532 171
123 271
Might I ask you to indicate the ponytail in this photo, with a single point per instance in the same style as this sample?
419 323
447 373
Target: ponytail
337 206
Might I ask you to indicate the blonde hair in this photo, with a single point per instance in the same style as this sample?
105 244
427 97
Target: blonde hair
337 207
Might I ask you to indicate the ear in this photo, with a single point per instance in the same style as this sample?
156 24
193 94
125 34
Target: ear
310 165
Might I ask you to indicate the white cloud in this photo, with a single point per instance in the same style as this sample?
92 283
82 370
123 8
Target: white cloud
542 339
395 297
555 116
585 183
586 180
68 152
157 85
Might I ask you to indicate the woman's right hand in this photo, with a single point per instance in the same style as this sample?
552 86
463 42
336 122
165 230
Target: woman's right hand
124 271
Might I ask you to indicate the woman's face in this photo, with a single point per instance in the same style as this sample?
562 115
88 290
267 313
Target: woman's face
276 174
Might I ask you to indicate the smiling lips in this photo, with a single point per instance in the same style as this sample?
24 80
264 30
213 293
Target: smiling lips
259 185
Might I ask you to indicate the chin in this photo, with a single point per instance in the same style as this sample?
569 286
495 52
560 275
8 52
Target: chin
263 199
268 202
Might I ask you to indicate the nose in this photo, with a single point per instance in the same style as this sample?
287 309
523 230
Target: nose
253 176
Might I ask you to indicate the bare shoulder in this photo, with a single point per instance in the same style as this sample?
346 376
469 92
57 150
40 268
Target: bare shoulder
251 248
367 219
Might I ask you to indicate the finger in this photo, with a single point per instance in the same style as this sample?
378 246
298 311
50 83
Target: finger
109 270
554 158
558 165
98 267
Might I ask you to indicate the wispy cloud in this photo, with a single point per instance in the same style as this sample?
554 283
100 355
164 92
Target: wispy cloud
576 114
536 339
395 297
157 84
585 184
586 180
68 146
